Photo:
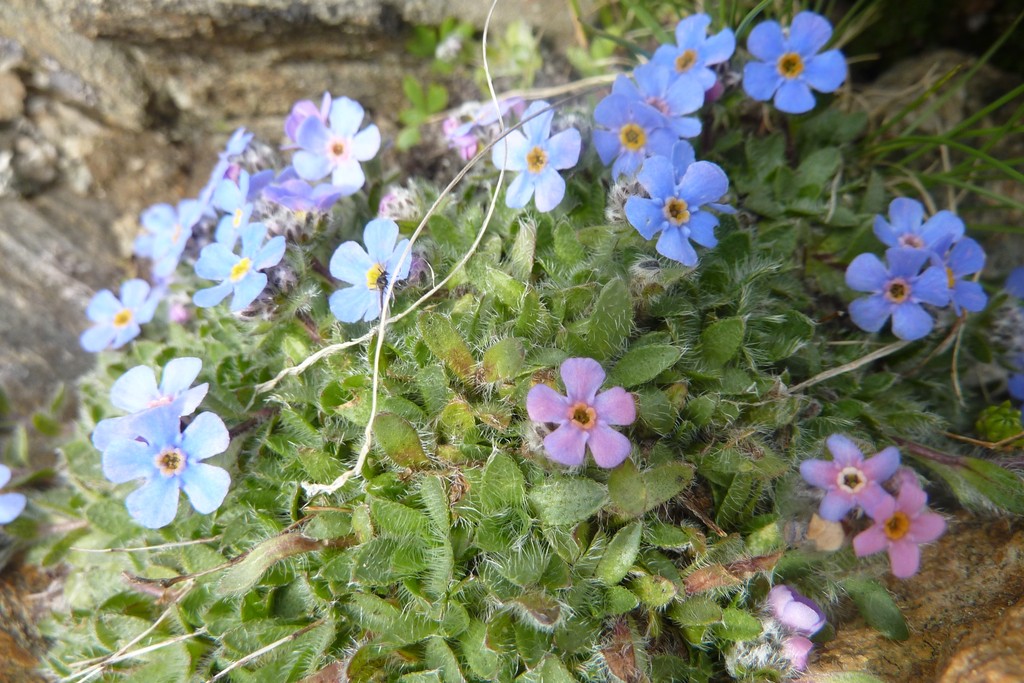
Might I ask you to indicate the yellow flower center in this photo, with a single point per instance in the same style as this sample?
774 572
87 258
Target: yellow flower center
170 461
897 291
536 160
677 211
176 233
583 415
791 65
338 148
685 61
632 137
376 277
851 480
236 220
950 278
122 317
897 526
240 269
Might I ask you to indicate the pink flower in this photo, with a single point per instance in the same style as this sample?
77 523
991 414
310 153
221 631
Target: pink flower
849 479
465 144
583 416
796 649
901 525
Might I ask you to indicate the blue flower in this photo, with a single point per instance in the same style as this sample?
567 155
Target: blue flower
165 232
695 51
1015 282
11 504
369 271
338 149
237 143
965 258
238 273
232 198
539 156
635 131
168 460
296 194
136 392
906 227
670 95
791 65
118 320
897 290
678 189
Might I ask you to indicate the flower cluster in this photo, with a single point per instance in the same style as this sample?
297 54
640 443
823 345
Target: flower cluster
901 523
148 444
584 417
800 617
926 263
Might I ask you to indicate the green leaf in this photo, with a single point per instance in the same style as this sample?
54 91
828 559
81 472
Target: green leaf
654 591
521 255
503 484
504 287
437 98
877 607
399 440
738 625
503 360
397 520
408 138
563 500
620 555
445 342
610 321
722 339
567 245
244 575
439 656
643 364
633 493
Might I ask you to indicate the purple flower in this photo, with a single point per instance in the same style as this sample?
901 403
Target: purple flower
238 273
296 194
678 190
670 95
790 64
538 156
136 392
695 52
901 525
635 131
906 227
796 612
368 271
165 232
465 143
797 649
11 504
897 290
338 149
849 479
1015 282
118 320
169 460
304 109
965 258
583 416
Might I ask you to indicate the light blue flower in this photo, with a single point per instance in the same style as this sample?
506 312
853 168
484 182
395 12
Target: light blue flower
679 189
634 132
790 64
906 227
368 271
168 460
965 258
538 156
695 51
897 290
232 198
338 149
236 145
672 96
238 273
118 320
296 194
136 391
11 504
166 231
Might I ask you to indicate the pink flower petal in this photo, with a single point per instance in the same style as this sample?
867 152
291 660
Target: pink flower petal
544 404
870 541
905 557
608 446
878 504
911 499
844 450
566 444
926 527
615 406
796 649
582 377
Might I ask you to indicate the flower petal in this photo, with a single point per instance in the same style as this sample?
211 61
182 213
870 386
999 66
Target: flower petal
345 116
718 48
808 33
794 97
702 228
247 289
211 296
826 72
103 306
215 262
966 258
926 527
350 304
760 80
905 262
398 263
313 136
544 404
155 503
615 406
128 459
582 378
309 165
348 176
205 437
969 296
870 541
766 42
549 188
564 149
608 446
5 475
134 390
658 177
882 465
869 313
835 505
350 263
820 473
97 338
366 143
11 505
134 293
910 321
566 444
205 486
510 152
703 182
520 190
691 32
905 558
607 144
932 287
674 245
380 236
270 254
539 128
646 215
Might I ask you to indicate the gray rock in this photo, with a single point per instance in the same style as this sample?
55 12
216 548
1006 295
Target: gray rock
12 96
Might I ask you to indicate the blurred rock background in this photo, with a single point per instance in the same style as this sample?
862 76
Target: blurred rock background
109 106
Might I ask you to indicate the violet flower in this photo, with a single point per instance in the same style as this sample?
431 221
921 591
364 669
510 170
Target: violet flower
796 612
850 479
583 416
901 525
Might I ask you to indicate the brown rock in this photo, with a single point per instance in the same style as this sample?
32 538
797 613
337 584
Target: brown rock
993 652
12 96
